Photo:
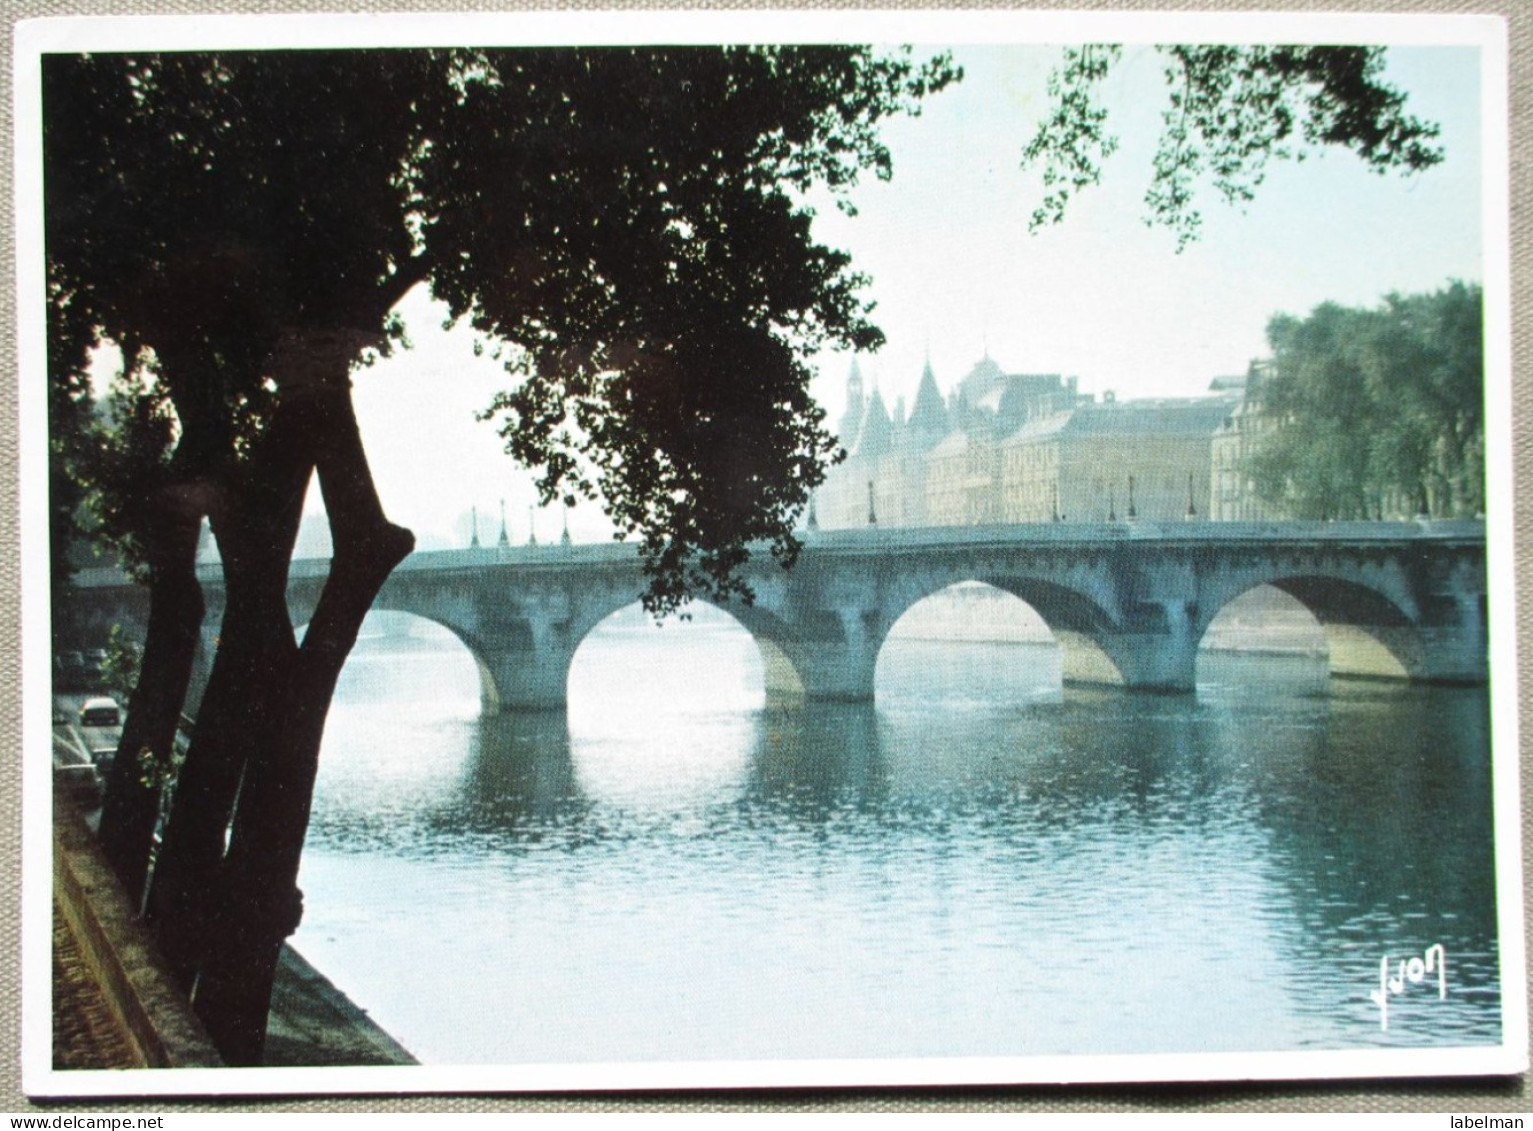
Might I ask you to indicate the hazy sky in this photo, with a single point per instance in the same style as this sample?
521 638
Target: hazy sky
955 271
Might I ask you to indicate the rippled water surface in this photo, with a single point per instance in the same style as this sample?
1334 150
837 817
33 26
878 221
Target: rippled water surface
979 865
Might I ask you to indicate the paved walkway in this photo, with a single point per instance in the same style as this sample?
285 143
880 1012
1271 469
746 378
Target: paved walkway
311 1022
85 1033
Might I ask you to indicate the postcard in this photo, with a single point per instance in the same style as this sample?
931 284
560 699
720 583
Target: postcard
759 549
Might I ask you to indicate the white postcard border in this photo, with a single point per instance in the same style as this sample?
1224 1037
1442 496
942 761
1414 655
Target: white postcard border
68 34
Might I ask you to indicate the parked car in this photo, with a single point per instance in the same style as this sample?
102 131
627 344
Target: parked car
100 712
103 751
75 774
69 670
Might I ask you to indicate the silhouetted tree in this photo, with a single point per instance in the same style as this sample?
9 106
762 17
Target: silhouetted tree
624 224
1231 110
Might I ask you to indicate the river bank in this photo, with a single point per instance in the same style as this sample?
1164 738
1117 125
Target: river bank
115 1006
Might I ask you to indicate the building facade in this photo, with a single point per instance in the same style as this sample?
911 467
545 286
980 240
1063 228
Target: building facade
1149 459
1027 447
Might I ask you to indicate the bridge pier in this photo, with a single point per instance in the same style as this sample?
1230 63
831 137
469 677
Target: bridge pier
1453 646
524 646
1159 656
1153 662
823 650
531 679
833 671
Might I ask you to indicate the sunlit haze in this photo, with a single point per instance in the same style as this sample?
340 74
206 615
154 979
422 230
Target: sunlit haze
955 274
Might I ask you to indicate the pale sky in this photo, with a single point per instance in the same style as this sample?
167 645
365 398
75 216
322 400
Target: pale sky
955 273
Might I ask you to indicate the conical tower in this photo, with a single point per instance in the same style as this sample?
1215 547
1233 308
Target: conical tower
929 420
876 435
856 407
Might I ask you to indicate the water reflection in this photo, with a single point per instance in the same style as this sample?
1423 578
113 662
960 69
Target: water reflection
518 788
1382 843
945 873
816 763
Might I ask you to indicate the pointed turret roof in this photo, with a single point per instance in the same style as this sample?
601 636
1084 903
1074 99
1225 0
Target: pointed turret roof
928 419
856 406
876 435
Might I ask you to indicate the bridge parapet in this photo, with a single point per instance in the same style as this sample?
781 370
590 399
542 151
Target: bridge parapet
1139 595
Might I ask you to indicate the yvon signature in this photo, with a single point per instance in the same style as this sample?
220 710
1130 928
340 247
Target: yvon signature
1412 971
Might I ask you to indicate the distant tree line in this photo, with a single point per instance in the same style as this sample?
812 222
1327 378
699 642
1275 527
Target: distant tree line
1368 413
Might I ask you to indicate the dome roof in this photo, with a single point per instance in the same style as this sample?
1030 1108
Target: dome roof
981 381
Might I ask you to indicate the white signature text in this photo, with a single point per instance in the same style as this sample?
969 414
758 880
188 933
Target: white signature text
1434 960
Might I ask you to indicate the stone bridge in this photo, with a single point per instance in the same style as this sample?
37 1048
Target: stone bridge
1135 596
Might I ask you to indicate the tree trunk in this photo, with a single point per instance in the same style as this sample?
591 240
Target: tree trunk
223 893
185 898
271 820
132 803
169 527
256 524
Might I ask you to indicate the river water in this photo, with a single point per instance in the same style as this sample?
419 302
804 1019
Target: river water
981 864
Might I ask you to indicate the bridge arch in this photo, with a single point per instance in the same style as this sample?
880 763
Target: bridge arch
969 642
1076 621
522 637
662 712
381 620
466 631
706 655
1366 631
525 642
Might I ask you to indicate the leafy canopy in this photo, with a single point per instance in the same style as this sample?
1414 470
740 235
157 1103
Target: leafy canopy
1231 111
625 224
1375 411
661 316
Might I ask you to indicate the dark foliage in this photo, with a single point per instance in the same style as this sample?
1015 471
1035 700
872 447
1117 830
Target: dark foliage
1231 111
625 225
1373 413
